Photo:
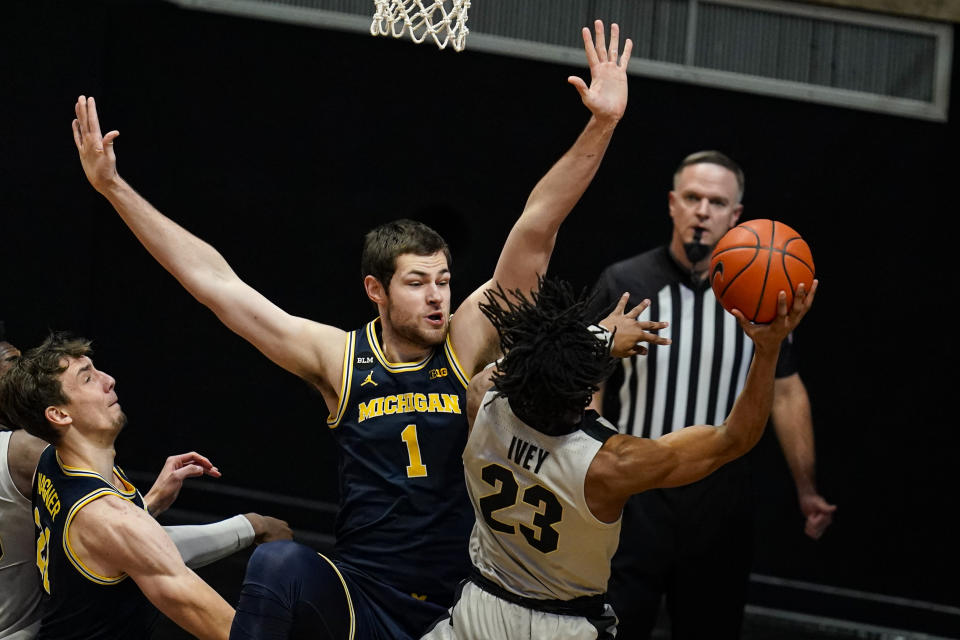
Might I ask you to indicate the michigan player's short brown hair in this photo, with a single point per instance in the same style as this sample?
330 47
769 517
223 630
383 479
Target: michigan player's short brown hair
553 362
384 244
718 158
33 383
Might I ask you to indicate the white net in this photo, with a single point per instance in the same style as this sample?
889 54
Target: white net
443 20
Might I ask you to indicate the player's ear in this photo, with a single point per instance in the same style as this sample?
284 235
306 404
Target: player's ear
57 416
375 290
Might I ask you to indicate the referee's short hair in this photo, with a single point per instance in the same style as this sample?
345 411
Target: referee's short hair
713 157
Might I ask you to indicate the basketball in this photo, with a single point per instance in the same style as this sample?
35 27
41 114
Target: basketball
756 260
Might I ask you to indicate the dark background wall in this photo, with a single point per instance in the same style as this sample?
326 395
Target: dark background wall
282 145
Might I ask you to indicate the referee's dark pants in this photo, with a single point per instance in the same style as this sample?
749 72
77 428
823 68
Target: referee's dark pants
693 545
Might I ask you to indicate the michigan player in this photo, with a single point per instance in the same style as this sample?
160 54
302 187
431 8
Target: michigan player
84 532
548 479
394 389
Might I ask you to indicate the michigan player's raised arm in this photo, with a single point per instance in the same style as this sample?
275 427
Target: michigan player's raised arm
476 390
308 349
627 465
529 245
111 536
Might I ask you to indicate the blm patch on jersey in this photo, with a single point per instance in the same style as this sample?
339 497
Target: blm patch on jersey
363 361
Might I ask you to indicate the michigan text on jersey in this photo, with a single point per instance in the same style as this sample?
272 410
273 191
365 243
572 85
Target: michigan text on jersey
409 402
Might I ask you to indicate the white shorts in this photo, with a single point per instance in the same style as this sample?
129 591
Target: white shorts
479 615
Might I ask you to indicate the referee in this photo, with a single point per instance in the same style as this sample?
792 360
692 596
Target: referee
694 544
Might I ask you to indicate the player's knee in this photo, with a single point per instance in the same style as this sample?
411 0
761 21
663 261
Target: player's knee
279 557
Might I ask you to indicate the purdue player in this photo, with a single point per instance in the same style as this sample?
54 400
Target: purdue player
548 479
404 519
20 606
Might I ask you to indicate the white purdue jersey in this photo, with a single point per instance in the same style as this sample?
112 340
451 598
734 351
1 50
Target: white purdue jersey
534 534
19 578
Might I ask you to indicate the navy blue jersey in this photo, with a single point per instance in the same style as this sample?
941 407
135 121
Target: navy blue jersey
405 517
697 378
79 603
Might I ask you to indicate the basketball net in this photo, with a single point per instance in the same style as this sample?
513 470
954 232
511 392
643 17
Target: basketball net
422 18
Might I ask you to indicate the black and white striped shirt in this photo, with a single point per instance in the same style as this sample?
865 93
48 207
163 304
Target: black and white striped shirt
696 379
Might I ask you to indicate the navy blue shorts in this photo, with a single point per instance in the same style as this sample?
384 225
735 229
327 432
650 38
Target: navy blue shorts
291 591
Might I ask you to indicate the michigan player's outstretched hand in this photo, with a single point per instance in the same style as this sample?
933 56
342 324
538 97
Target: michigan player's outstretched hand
96 150
606 97
169 481
769 336
629 332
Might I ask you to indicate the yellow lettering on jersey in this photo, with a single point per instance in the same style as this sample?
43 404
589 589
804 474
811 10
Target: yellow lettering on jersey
420 402
419 597
409 403
371 409
451 403
49 495
43 552
416 468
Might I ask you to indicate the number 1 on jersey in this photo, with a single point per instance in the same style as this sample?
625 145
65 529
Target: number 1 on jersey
416 468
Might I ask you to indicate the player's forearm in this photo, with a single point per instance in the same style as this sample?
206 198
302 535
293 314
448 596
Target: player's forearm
751 411
193 262
559 190
199 545
191 603
530 243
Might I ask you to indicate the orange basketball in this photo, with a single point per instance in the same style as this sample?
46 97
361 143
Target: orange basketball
756 260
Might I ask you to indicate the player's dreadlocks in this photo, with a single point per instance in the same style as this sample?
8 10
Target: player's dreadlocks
553 362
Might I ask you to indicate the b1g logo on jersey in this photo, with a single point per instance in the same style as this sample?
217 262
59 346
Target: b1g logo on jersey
438 373
363 361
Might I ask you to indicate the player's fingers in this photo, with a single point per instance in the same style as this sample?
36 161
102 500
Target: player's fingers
93 120
747 326
77 140
192 456
653 338
80 109
108 145
579 85
614 47
601 41
637 310
188 471
810 294
621 303
627 50
782 308
650 325
588 47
